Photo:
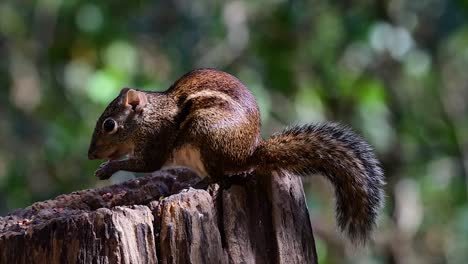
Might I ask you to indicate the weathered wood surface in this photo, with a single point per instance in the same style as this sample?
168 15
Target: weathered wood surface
159 219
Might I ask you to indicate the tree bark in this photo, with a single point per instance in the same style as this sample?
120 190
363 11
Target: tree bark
161 219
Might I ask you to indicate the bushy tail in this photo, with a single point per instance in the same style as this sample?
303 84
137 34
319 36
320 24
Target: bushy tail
344 158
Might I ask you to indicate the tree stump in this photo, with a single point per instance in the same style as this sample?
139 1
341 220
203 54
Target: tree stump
161 219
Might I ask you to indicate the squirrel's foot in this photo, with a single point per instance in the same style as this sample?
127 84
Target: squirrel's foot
203 184
104 171
241 178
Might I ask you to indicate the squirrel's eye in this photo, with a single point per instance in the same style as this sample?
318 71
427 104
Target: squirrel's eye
109 125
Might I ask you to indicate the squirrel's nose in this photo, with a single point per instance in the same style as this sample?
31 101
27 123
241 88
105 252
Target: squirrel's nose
92 150
91 154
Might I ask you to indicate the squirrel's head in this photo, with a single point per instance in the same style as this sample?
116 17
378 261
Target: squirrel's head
115 129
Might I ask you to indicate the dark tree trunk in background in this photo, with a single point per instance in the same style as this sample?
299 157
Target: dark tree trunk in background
158 220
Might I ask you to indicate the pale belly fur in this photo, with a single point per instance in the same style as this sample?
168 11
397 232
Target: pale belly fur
187 156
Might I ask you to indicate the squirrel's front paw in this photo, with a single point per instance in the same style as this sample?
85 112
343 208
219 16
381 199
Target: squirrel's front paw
104 171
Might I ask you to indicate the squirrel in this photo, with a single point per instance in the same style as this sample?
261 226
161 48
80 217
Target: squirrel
210 122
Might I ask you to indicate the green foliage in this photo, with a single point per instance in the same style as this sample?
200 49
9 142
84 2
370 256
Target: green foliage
393 70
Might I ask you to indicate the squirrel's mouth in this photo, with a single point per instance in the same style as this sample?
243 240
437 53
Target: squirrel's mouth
115 153
119 155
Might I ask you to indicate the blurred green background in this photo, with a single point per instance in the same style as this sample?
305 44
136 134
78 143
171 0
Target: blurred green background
396 71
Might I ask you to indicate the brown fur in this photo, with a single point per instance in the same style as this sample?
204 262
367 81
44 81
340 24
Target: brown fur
210 115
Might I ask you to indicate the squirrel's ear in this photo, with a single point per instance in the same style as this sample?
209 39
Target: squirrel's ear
136 99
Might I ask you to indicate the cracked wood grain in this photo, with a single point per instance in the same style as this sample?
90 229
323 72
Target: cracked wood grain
159 219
